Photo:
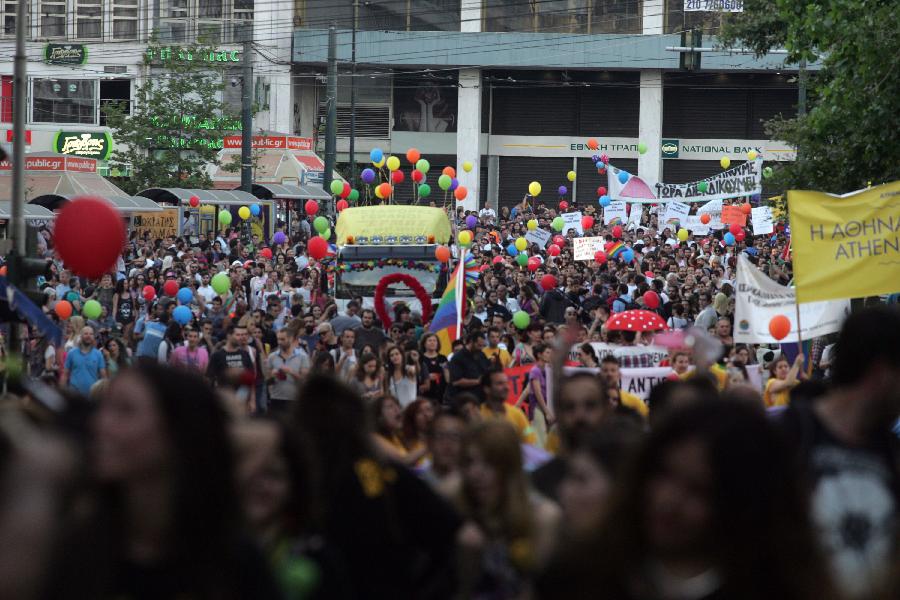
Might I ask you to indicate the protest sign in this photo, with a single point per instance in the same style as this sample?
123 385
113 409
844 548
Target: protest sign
641 382
696 226
744 179
635 216
846 246
733 214
615 214
676 213
572 220
158 224
517 377
626 354
758 299
584 248
763 223
538 236
713 208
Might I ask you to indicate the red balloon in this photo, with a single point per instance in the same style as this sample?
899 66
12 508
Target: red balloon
63 309
449 172
312 207
484 268
705 218
497 260
386 190
460 192
266 253
413 156
548 282
398 176
563 205
194 201
600 257
148 292
746 208
346 191
779 327
559 240
317 248
601 171
651 299
170 287
587 221
341 205
418 176
734 228
649 274
553 250
601 191
533 263
740 235
617 232
89 236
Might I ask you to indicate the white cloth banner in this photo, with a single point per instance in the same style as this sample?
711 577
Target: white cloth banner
758 299
744 179
538 236
584 248
572 220
616 213
763 223
626 354
639 382
676 214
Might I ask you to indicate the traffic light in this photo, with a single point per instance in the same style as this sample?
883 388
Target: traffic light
23 272
690 60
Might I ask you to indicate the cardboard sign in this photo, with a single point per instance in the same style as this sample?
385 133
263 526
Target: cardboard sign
763 223
572 220
615 214
158 224
696 226
733 214
517 377
676 214
538 236
584 248
635 217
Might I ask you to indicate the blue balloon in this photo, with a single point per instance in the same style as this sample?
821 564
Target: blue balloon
599 164
367 175
623 177
254 210
512 250
185 295
604 201
729 239
376 155
627 255
182 315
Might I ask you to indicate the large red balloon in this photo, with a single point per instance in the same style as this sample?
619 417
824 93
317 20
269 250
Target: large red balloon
705 218
63 309
149 293
89 236
312 207
170 287
346 191
460 192
600 257
601 191
553 250
651 299
548 282
194 201
398 176
734 228
266 253
317 248
418 176
563 205
533 263
413 155
341 205
559 240
739 236
617 232
587 221
497 260
779 327
449 171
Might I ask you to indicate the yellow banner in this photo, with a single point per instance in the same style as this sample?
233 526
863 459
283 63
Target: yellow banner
160 225
846 246
386 224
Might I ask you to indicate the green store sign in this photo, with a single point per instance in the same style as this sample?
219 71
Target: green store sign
89 144
669 148
65 54
177 54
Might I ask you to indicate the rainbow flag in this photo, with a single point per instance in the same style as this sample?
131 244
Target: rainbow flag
447 321
615 250
615 221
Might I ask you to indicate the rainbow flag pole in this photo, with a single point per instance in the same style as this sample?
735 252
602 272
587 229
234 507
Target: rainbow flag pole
447 321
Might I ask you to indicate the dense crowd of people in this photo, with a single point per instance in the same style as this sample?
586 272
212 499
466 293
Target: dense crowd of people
270 445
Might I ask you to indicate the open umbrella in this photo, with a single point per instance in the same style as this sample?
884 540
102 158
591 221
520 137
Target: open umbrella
636 320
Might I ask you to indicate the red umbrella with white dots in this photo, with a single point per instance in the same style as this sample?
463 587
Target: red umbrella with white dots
636 320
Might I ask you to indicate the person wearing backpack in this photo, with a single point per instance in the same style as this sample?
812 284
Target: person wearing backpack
624 301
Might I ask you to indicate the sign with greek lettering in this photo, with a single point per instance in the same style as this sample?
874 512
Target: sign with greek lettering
744 179
159 225
731 6
90 144
676 214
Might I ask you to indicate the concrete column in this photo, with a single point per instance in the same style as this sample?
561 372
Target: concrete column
653 17
470 16
269 34
468 116
650 124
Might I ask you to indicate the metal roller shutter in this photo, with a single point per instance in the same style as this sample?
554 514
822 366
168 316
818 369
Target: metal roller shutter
612 111
535 111
765 105
517 172
704 113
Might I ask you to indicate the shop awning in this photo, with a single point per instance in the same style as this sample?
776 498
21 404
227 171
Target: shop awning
183 196
33 212
123 204
290 192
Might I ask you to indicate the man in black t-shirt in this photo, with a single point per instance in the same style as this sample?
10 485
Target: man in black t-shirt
468 366
228 363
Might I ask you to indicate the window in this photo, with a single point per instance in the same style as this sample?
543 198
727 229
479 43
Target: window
64 101
89 19
209 21
114 91
53 18
9 17
124 19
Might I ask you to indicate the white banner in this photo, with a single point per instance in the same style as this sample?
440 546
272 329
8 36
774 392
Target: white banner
713 208
615 214
584 248
572 220
744 179
763 223
730 6
758 299
625 354
696 226
538 236
639 382
676 214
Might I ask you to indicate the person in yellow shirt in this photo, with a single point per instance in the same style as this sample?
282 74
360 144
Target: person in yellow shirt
785 377
496 389
493 348
609 370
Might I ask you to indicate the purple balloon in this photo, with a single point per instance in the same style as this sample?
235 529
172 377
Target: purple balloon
595 158
471 221
367 175
454 183
278 238
563 190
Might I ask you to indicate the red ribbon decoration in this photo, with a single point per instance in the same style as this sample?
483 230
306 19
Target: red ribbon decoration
413 284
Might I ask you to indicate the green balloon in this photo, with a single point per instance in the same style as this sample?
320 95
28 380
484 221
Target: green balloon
642 148
521 319
422 165
424 190
321 224
767 172
702 186
522 258
444 182
224 217
91 309
221 283
337 186
353 196
326 234
557 224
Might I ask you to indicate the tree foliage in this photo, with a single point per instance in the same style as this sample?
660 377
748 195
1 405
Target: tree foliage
850 135
178 119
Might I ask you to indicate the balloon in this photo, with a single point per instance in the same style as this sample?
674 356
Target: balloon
461 192
548 282
779 327
148 293
734 228
746 208
682 235
221 283
341 205
559 240
562 190
397 176
497 260
413 156
725 162
194 201
92 309
376 155
471 221
63 309
521 319
423 165
170 287
587 222
599 257
557 224
752 155
740 236
604 159
336 186
571 175
533 263
267 252
279 238
648 274
601 171
317 248
393 163
705 218
617 231
553 250
367 175
627 255
702 187
601 191
563 205
344 192
454 183
511 249
728 238
522 259
534 188
468 166
379 164
444 182
521 244
89 236
442 253
311 207
386 190
424 190
185 295
623 177
642 148
651 299
592 144
320 224
604 201
532 224
182 315
255 209
448 171
244 212
417 176
353 196
464 237
768 172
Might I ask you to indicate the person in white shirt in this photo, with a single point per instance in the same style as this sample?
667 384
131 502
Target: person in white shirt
205 290
487 214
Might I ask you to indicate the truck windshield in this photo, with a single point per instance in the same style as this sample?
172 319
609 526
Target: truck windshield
362 283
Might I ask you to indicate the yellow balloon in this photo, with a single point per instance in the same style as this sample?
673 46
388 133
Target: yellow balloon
521 244
378 192
570 175
725 162
532 224
244 212
534 188
752 155
683 235
380 163
393 163
464 238
467 166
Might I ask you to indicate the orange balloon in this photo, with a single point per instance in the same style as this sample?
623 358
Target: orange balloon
413 156
449 171
386 190
442 253
3 271
746 208
63 309
460 192
592 144
704 218
779 327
